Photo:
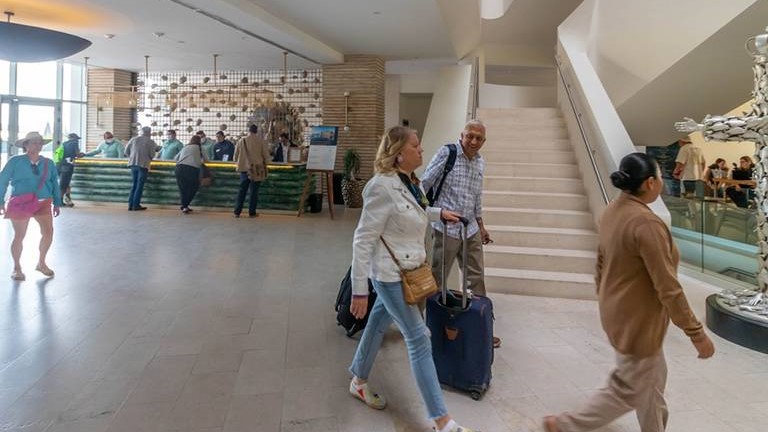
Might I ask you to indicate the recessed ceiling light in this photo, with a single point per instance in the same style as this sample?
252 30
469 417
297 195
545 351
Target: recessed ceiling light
158 34
109 35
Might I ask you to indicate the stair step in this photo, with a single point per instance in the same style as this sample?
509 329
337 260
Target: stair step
501 123
535 144
540 283
533 184
532 169
540 200
525 258
526 132
492 113
500 155
543 237
554 218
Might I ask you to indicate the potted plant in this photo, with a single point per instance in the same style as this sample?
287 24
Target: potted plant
351 184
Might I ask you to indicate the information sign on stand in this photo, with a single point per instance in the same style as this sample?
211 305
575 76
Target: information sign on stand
321 160
322 148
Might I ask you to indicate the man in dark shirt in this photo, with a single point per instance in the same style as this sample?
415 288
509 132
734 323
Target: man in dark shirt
223 150
282 148
741 194
67 166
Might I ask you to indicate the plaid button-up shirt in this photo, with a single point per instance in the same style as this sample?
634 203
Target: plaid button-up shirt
462 189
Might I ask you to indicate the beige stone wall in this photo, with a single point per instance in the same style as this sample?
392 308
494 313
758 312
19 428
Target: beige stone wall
363 77
101 119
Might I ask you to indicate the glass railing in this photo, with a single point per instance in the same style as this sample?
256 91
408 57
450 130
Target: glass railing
716 236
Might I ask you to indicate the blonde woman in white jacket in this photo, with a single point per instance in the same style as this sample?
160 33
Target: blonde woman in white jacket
395 208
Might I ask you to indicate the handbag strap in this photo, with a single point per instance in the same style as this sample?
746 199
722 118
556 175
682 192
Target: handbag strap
45 175
391 254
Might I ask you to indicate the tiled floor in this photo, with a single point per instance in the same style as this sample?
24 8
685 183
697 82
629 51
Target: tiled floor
158 322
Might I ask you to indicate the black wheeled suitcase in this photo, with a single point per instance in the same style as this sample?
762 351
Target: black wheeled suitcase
344 317
462 334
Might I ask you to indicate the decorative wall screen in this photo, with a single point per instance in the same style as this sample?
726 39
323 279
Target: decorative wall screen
230 101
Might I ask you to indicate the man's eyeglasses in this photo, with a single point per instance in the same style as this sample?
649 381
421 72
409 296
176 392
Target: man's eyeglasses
35 169
474 137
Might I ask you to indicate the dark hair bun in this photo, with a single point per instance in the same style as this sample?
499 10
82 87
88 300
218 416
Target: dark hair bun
634 169
620 179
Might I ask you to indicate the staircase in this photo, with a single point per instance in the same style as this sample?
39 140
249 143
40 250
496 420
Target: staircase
535 208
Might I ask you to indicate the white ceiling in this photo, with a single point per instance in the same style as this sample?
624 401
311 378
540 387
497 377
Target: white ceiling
529 22
322 31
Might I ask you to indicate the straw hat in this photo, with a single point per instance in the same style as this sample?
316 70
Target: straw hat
30 136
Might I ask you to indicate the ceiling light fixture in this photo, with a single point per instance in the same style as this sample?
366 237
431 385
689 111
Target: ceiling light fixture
23 43
109 36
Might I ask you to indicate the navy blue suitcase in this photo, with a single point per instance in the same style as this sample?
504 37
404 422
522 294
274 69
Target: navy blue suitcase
462 336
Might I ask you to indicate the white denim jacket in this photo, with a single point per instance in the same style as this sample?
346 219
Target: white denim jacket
390 211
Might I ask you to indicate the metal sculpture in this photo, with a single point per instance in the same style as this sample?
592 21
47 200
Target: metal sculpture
752 126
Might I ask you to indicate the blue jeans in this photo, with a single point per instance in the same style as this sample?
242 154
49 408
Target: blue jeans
245 183
139 175
390 306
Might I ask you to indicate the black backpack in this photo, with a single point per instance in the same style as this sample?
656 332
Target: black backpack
434 193
344 317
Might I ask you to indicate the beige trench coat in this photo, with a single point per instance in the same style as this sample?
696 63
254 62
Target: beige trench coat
258 150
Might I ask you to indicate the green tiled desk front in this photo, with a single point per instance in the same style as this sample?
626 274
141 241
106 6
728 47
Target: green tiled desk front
109 180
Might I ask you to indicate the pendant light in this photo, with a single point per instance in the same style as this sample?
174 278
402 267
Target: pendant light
23 43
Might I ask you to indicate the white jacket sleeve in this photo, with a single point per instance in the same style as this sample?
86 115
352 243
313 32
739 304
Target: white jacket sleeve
377 206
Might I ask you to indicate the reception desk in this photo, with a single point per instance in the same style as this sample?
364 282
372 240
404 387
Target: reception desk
109 181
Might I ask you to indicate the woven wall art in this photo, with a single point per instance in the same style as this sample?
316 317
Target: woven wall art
230 101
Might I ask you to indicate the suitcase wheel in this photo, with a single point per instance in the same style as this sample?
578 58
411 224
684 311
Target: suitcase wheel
477 392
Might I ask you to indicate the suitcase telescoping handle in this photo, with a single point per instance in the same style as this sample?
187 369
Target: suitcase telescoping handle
443 282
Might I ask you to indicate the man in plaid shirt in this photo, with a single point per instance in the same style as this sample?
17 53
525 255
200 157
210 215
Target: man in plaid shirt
461 192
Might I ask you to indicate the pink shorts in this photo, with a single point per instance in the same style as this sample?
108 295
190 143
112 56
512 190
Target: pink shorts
46 208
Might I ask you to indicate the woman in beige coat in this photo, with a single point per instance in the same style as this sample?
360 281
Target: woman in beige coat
251 157
638 294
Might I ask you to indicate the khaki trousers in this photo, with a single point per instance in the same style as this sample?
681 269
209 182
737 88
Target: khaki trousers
636 384
453 250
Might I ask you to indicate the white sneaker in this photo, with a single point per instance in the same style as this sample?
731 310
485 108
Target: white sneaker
365 394
452 426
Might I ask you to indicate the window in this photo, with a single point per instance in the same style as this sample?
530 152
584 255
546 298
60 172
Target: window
5 77
36 80
4 110
72 82
73 119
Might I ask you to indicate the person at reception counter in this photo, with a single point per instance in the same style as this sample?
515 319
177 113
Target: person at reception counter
251 157
223 150
171 146
188 164
30 173
139 151
109 148
66 166
282 148
206 144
